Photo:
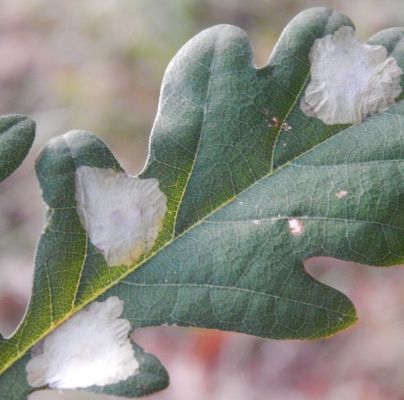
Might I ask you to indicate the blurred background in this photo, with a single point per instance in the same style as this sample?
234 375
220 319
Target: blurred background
97 65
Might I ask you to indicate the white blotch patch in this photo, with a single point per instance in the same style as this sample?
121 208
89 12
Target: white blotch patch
286 127
296 226
349 79
341 194
91 348
256 221
122 214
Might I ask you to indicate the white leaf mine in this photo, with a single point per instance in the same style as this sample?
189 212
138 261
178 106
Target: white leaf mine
341 194
122 214
296 226
91 348
349 79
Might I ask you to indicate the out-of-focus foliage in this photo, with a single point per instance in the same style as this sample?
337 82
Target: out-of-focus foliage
16 136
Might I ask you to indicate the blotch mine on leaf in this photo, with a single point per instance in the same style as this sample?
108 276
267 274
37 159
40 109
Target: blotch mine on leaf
122 214
349 79
91 348
296 226
341 194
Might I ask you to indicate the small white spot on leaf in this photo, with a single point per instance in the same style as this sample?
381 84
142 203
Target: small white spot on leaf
275 122
91 348
122 214
296 226
341 194
349 79
286 127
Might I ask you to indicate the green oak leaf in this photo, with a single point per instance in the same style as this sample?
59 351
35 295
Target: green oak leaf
227 257
16 136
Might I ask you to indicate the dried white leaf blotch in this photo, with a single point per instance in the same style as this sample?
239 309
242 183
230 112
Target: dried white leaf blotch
296 226
91 348
122 214
341 194
349 79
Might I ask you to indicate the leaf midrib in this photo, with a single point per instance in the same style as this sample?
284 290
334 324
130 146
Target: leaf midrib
239 289
207 95
307 218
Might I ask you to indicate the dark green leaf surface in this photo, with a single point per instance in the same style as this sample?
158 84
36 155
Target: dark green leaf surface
16 136
225 258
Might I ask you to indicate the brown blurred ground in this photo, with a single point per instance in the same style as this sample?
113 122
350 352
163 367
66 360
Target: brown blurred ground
97 65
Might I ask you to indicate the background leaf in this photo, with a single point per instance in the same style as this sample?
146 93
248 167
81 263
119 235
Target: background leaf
16 136
226 258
